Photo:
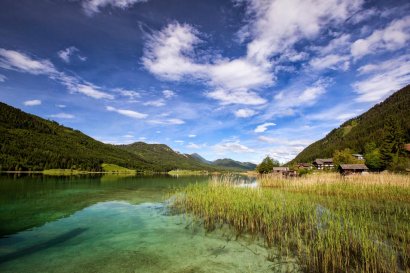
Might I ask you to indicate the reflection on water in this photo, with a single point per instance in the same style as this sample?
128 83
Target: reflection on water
31 200
111 224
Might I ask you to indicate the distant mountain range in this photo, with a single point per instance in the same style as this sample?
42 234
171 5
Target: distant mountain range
368 127
226 163
28 142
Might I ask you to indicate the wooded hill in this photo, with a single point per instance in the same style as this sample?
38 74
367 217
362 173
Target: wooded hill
370 127
31 143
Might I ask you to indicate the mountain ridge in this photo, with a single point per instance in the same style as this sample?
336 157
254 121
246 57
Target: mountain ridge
365 128
31 143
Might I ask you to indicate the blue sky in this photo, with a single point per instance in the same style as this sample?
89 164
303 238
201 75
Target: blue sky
240 79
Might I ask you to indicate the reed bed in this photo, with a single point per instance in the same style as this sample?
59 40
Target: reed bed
328 223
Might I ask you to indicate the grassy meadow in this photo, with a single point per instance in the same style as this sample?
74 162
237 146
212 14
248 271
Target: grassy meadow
327 222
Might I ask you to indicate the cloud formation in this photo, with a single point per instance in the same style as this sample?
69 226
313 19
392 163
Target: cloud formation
263 127
382 79
245 113
18 61
127 113
32 102
94 6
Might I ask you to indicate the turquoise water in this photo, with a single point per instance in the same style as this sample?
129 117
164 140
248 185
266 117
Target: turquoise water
113 224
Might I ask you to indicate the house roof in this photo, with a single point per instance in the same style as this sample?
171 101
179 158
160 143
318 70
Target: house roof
357 155
353 167
323 161
407 147
280 169
304 164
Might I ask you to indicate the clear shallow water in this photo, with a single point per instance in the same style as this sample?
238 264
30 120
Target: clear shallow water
117 224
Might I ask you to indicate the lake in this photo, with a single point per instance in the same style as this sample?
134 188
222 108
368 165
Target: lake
111 223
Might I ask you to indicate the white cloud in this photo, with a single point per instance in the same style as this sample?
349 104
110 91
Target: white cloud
131 94
274 28
155 103
287 142
91 90
168 94
128 113
179 141
245 113
240 96
171 121
192 145
2 78
14 60
332 61
277 25
263 127
32 102
191 136
128 136
62 116
384 79
299 95
233 146
93 6
339 113
394 36
169 54
61 105
66 54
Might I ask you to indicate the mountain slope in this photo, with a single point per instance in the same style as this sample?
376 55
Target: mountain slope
200 158
28 142
368 127
164 157
229 163
31 143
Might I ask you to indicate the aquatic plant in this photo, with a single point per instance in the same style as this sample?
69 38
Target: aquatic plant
329 223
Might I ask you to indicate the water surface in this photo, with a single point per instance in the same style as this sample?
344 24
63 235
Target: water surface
112 224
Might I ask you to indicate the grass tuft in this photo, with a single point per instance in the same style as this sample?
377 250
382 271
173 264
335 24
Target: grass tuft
329 223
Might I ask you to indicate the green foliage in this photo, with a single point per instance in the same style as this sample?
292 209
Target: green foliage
344 157
372 157
392 144
266 165
372 126
30 143
227 162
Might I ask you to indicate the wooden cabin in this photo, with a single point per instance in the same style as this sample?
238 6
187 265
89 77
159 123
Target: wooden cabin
284 171
280 170
346 169
358 156
323 163
306 166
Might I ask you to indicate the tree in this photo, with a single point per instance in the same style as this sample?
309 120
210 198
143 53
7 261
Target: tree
372 156
267 165
344 157
392 143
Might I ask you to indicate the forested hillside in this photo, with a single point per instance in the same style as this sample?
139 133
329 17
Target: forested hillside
164 157
28 142
229 163
31 143
386 121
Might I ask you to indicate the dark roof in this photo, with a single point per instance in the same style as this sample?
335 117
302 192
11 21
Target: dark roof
323 161
280 169
354 167
304 164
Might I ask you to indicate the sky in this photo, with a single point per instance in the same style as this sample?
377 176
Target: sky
238 78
